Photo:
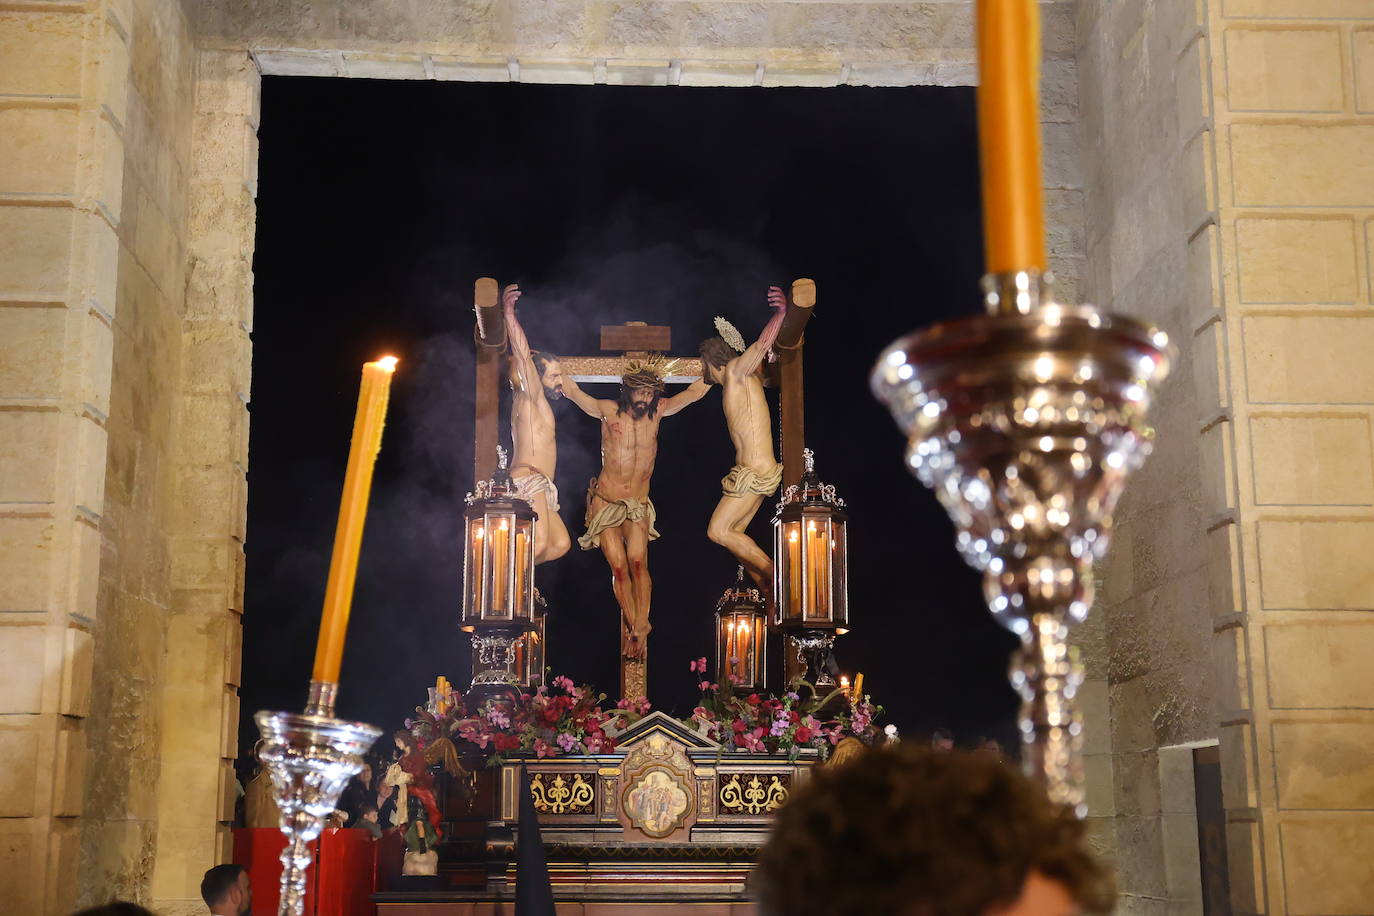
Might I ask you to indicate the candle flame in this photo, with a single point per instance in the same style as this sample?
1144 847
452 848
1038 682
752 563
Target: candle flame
478 532
504 524
388 363
844 681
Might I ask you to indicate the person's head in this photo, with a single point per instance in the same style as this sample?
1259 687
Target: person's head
115 908
405 742
226 891
715 355
550 373
942 739
905 830
640 391
368 812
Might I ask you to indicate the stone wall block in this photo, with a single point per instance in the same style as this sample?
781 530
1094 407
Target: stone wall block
220 289
74 698
559 71
1309 360
1326 863
227 82
96 344
1312 460
718 73
1238 789
1297 9
40 53
206 500
1217 468
1094 701
69 773
1303 165
1316 563
1194 87
1136 779
35 252
217 358
1063 158
229 705
275 61
224 146
1297 260
19 755
29 443
29 336
1245 866
112 69
1325 764
25 675
640 25
816 27
104 177
233 652
1059 92
637 72
1283 69
1097 778
1362 48
101 274
1139 846
64 851
228 792
38 149
1197 187
365 65
1211 382
470 70
26 542
1232 668
1320 665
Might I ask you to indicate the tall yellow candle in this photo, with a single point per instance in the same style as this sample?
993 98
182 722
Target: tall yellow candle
1009 134
348 535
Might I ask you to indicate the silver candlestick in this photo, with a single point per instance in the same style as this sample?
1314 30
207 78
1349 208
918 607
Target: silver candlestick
1026 422
310 757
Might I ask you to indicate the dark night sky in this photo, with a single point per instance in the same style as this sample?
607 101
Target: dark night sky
379 205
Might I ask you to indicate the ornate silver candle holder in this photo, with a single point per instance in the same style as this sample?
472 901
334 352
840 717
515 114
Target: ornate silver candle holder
310 758
1026 422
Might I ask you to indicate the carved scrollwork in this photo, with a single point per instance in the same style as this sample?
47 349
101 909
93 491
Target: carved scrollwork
753 797
561 796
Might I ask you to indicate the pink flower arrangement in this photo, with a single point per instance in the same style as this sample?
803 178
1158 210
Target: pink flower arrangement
789 724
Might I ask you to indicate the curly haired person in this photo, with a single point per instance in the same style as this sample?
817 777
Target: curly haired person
909 831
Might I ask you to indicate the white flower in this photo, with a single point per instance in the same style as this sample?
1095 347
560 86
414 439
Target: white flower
891 732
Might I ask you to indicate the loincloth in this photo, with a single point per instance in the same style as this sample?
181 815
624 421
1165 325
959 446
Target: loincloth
530 485
743 480
613 514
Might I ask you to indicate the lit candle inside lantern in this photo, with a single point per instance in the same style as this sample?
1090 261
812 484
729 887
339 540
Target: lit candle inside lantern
348 535
521 549
477 574
1009 134
795 598
500 545
740 653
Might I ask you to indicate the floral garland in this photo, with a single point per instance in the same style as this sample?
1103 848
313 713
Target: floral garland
755 723
560 719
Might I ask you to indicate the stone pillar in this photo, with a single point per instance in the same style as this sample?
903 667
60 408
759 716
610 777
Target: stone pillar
1292 103
200 707
63 70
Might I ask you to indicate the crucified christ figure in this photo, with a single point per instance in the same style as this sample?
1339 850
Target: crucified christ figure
739 372
620 515
536 379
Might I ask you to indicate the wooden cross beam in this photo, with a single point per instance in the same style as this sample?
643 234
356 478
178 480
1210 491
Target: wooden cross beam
632 339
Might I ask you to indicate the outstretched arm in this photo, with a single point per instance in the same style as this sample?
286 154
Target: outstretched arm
590 406
689 395
749 361
522 369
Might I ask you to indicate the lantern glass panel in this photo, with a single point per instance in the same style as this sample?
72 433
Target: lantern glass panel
816 560
500 571
839 552
474 557
790 593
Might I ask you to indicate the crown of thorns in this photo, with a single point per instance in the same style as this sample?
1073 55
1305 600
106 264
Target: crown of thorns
648 372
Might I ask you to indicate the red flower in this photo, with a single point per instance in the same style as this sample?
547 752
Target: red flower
739 739
803 735
794 716
738 725
505 742
753 699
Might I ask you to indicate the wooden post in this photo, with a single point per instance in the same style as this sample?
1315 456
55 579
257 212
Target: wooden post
791 338
490 338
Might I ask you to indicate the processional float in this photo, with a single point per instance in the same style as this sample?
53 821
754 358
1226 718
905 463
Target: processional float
1027 420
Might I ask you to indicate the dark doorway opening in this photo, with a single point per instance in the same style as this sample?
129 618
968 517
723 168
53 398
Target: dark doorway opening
379 205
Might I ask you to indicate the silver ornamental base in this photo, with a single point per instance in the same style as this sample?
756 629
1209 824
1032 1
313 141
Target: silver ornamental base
1026 422
310 759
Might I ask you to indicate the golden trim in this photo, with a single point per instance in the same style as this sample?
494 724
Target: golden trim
753 797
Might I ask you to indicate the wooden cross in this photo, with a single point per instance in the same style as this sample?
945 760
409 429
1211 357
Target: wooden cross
634 339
